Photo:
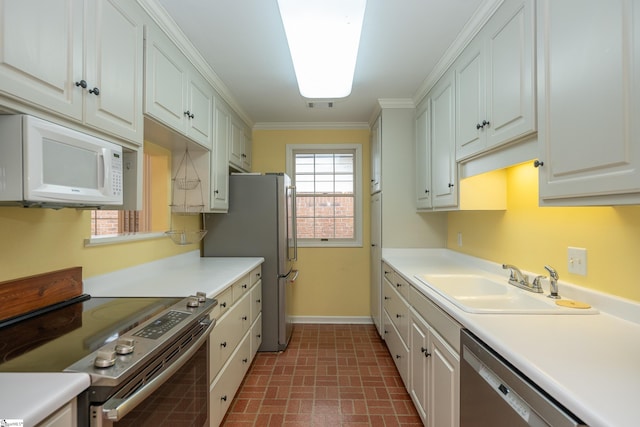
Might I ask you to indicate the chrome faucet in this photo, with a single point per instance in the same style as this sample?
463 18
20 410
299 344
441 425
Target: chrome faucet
553 280
520 280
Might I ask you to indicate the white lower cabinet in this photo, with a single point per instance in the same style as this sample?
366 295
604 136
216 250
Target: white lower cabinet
64 417
424 342
234 341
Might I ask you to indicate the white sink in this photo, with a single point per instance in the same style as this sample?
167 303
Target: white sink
475 293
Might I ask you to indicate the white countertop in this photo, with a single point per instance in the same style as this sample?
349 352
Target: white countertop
33 397
589 363
177 276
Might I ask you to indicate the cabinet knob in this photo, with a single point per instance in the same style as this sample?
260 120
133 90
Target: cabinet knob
95 91
223 344
538 163
189 114
216 191
451 185
398 356
245 360
426 191
398 285
398 316
485 123
223 304
386 298
258 336
424 350
224 398
478 126
82 84
244 317
258 301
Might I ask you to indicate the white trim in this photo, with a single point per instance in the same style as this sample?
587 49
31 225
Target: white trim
109 239
359 188
338 320
310 125
396 103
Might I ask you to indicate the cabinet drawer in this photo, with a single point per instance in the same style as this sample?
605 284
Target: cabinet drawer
222 340
401 285
441 322
240 288
256 301
397 348
387 272
398 311
255 275
225 300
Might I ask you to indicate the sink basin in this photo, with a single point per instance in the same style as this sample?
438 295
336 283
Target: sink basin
475 293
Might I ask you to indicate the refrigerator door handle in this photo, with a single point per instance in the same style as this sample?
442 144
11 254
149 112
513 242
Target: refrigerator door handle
294 220
295 276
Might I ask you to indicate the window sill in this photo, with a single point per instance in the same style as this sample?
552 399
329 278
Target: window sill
329 244
110 239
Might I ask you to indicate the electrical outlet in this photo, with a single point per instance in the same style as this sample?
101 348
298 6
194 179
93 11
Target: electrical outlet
577 260
459 239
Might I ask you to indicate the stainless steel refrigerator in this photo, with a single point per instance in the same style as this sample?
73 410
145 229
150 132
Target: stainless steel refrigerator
261 222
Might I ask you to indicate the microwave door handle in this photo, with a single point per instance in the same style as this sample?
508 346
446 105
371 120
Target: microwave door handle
102 168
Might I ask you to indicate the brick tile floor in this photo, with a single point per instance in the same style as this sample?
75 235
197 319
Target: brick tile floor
329 375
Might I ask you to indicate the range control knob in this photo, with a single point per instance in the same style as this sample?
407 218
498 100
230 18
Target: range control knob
193 302
202 297
125 346
105 358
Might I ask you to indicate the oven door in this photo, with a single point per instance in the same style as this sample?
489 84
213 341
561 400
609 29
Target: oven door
178 397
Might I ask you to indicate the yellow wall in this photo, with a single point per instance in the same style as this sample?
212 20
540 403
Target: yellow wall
34 241
332 281
531 237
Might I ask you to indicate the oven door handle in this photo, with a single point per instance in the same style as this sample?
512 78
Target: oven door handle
115 409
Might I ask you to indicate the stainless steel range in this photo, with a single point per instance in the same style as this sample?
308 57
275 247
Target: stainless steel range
147 357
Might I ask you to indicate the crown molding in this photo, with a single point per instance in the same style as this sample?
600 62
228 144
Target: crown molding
166 23
311 126
470 30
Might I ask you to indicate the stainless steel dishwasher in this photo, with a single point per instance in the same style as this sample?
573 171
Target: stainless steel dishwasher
495 394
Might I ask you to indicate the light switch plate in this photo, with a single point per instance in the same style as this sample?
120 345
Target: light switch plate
577 260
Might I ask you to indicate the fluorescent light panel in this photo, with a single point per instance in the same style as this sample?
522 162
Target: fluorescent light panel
323 38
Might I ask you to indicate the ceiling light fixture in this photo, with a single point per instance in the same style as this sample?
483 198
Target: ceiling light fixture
323 37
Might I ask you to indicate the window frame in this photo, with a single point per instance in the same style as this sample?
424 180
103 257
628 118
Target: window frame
331 148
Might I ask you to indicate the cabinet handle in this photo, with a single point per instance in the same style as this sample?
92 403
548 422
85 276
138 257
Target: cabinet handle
538 163
82 84
451 185
95 91
224 398
223 344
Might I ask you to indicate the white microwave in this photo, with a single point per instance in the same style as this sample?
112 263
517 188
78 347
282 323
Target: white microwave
45 164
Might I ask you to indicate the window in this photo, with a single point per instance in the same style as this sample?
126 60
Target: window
328 180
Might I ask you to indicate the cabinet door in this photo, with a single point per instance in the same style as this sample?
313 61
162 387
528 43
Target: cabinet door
423 157
114 63
419 359
510 76
236 147
588 100
376 260
200 108
247 146
166 71
41 54
220 152
444 396
444 170
376 156
470 100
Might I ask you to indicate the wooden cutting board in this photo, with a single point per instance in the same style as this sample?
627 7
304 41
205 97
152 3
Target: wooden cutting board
24 295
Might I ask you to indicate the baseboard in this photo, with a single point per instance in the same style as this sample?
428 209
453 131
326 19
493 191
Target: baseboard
343 320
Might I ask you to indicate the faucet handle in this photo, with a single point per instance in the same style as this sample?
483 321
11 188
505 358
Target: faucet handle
536 283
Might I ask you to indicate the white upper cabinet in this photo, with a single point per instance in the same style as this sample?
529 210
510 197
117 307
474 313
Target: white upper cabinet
240 145
81 60
423 156
114 68
589 102
376 157
495 82
175 93
220 160
444 174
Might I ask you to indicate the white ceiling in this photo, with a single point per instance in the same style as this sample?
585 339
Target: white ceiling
244 43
